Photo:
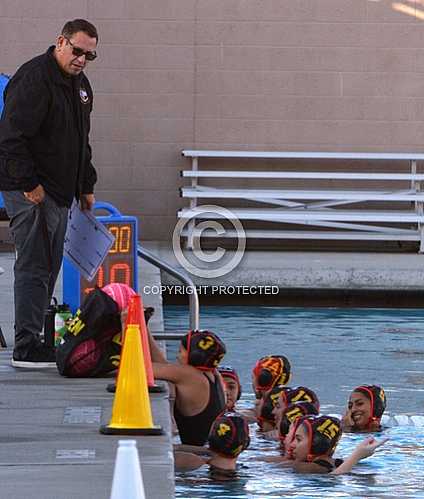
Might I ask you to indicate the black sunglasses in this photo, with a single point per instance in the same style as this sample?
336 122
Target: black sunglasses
78 52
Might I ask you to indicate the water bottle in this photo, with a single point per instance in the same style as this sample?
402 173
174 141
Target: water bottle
49 323
63 313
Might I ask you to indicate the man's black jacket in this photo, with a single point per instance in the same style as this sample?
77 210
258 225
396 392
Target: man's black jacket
44 131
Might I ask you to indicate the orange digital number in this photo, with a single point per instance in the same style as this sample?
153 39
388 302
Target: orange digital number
117 269
100 280
124 239
114 230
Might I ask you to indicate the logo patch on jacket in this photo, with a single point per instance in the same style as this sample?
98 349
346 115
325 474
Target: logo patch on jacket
84 95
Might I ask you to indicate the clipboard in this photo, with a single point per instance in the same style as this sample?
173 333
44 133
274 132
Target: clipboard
87 241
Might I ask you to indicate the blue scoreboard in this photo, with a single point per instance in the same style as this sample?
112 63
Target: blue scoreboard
120 264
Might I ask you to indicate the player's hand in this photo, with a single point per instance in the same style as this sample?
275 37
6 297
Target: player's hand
87 201
37 195
368 446
347 420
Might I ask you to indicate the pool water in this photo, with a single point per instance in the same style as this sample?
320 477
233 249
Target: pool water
396 470
331 351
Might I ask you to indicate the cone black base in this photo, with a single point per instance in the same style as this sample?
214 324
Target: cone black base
111 388
109 430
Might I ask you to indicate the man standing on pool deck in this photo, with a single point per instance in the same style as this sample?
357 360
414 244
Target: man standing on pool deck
45 162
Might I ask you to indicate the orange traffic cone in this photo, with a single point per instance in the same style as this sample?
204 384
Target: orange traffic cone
153 387
131 412
134 316
134 312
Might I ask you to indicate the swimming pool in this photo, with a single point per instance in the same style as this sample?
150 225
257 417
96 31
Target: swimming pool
331 351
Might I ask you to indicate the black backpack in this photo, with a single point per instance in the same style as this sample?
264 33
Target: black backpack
81 352
92 343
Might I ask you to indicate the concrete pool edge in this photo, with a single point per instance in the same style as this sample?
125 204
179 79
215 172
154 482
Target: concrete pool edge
309 270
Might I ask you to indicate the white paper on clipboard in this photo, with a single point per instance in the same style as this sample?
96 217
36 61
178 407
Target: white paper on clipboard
87 241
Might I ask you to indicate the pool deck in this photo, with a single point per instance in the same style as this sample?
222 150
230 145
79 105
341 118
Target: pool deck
50 445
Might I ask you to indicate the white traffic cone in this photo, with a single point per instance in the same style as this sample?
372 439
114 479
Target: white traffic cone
127 480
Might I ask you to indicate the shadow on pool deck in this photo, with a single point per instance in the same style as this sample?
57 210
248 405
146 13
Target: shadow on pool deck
50 445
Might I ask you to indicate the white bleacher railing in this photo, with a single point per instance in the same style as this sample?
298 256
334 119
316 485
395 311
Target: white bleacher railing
331 207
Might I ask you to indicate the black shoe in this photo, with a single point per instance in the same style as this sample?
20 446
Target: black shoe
39 357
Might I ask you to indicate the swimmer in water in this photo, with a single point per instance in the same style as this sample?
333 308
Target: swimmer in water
200 394
289 416
293 395
266 409
232 386
228 438
366 406
286 428
268 372
314 443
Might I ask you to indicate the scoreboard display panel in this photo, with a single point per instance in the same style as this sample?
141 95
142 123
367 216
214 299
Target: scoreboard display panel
120 264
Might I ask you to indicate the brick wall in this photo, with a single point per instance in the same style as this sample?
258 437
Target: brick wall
245 74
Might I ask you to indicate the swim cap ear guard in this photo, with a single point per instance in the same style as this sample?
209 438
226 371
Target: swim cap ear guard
229 434
378 401
270 371
324 433
230 372
205 349
292 413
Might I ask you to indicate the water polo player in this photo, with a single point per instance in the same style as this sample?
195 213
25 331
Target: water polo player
316 438
270 371
290 415
287 428
228 437
314 442
232 386
292 395
266 408
366 406
199 389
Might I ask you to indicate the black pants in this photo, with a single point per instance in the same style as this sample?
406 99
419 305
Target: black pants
38 232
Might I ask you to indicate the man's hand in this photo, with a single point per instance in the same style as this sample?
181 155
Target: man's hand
37 195
87 201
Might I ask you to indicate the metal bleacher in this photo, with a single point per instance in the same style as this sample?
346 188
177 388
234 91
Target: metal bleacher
380 199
